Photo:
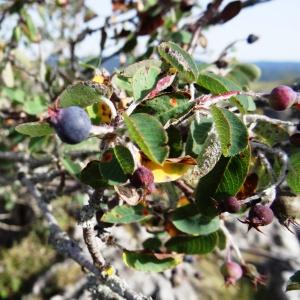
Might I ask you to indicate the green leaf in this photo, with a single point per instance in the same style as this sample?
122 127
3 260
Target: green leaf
174 141
125 214
143 81
15 94
251 71
92 176
152 243
133 68
209 156
218 85
7 75
294 282
269 133
226 177
116 164
231 130
187 220
72 167
293 176
167 106
198 134
34 129
35 106
193 245
181 37
150 136
221 240
150 262
180 60
122 83
238 77
83 94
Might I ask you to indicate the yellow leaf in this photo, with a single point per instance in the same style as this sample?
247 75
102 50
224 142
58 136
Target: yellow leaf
169 171
104 112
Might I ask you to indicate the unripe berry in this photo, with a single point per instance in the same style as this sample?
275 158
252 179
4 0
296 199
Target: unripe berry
142 178
72 124
231 205
259 215
232 272
282 97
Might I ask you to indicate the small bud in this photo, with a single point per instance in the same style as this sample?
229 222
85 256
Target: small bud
259 215
252 38
282 97
231 205
142 178
232 272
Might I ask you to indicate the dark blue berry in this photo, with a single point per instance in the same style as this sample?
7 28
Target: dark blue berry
252 38
72 124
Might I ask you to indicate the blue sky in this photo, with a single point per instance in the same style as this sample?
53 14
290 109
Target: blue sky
276 22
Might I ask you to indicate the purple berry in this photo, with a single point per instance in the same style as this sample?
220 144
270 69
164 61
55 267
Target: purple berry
231 205
72 124
282 97
232 272
142 178
259 215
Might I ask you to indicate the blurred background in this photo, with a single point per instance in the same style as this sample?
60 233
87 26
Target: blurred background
47 45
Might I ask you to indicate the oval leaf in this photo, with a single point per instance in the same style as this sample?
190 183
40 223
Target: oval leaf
231 130
150 262
187 220
116 164
218 85
150 136
125 214
147 63
34 129
226 177
92 176
83 94
167 106
193 245
143 81
180 60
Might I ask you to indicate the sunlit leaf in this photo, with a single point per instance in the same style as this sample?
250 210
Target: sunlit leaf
149 134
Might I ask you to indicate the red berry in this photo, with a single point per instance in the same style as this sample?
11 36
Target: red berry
142 178
232 272
231 205
282 97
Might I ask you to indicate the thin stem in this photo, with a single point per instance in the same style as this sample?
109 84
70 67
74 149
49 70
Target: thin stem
232 242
